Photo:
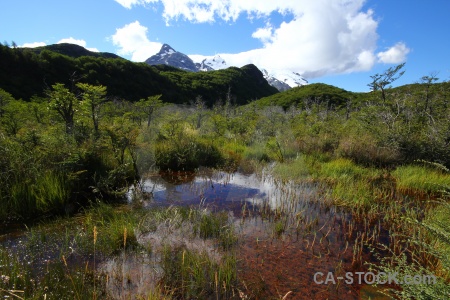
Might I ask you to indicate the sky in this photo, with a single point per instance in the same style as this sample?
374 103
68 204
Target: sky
338 42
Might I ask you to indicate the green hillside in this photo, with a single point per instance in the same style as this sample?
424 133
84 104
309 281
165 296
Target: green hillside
28 72
72 51
316 92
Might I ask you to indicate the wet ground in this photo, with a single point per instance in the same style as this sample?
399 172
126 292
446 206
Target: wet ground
287 233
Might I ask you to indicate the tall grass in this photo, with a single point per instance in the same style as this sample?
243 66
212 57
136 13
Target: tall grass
352 193
297 169
186 154
189 274
342 168
19 280
109 223
48 192
421 179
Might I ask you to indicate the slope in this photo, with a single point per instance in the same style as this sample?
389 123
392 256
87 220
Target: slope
26 72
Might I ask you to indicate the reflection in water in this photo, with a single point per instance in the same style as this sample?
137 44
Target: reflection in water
288 231
220 190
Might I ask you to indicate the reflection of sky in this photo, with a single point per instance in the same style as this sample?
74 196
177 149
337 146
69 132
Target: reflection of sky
221 187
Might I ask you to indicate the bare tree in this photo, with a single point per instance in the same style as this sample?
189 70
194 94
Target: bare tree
428 81
382 81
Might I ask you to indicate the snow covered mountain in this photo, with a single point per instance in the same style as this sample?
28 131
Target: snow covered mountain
210 64
281 79
168 56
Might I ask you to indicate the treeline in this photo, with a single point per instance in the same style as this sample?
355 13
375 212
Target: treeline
28 72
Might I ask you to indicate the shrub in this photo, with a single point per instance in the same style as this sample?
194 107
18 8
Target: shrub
364 149
186 154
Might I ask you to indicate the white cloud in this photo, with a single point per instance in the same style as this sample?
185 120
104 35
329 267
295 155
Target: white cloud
33 45
323 36
132 40
81 43
264 34
129 3
394 55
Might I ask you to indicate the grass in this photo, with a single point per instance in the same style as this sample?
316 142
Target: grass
350 184
437 225
107 231
342 169
428 241
48 192
18 280
297 169
421 179
352 193
110 223
257 152
186 154
189 274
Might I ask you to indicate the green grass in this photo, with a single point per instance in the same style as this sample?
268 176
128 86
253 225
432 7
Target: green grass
193 273
205 225
297 169
56 281
189 274
257 152
342 168
421 179
186 154
115 229
437 223
350 184
48 192
433 243
352 193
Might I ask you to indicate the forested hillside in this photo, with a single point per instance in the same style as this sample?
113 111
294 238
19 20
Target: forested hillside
28 72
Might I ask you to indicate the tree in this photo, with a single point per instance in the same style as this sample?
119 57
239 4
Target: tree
13 116
200 111
381 81
149 105
428 81
64 103
93 98
5 98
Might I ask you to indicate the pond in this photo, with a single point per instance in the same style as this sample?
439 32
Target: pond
286 233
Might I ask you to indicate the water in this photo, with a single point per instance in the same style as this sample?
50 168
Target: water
287 232
273 260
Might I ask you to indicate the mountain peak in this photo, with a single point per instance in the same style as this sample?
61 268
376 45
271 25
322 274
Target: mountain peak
215 63
168 56
281 79
167 49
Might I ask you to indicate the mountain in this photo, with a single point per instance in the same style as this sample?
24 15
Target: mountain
284 80
281 80
280 85
168 56
211 64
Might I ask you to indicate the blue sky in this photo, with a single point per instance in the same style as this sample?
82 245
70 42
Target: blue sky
339 42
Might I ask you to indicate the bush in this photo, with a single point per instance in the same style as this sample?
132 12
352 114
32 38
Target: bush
186 154
364 149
